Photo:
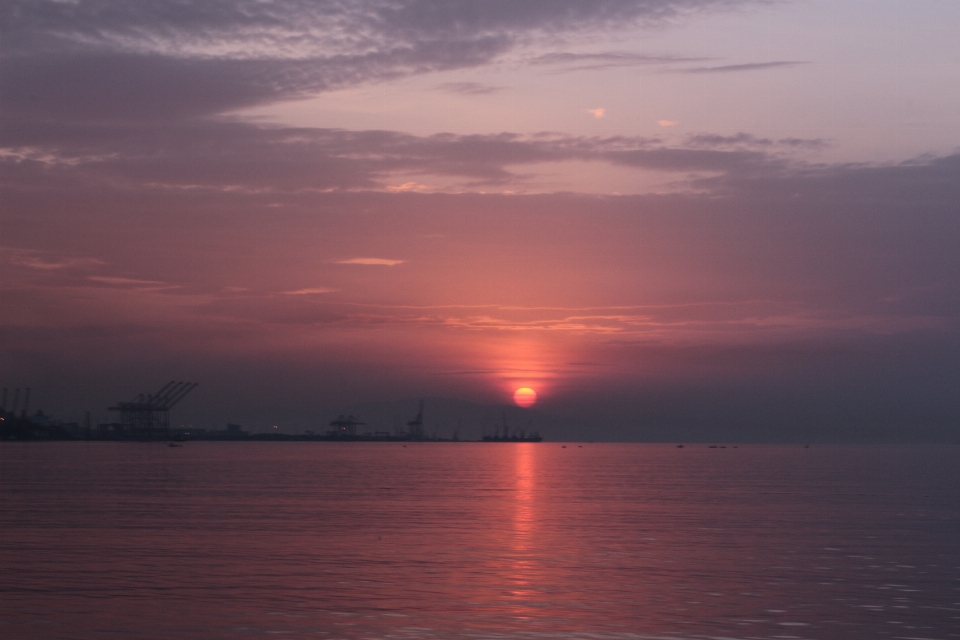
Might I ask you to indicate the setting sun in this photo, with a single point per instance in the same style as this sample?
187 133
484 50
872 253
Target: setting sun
525 397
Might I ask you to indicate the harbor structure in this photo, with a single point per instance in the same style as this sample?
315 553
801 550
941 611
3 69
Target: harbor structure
147 416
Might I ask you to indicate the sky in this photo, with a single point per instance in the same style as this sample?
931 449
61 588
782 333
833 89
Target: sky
700 219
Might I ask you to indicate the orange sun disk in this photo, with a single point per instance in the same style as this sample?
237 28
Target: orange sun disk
525 397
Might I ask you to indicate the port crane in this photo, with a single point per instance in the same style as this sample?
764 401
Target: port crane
415 426
148 415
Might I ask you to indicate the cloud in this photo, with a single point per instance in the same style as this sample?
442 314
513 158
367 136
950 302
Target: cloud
243 158
310 291
751 66
123 282
748 140
408 187
116 61
468 88
598 113
140 88
668 123
372 261
603 60
43 262
298 28
870 240
236 156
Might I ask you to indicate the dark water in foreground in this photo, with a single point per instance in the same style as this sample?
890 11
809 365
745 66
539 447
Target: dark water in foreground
378 540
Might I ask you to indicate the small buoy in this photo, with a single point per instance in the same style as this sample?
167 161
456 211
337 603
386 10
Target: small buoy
564 447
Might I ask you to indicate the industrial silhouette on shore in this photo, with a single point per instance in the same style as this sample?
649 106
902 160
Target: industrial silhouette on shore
511 435
147 418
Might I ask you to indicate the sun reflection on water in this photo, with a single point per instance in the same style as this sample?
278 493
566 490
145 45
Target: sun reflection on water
522 567
523 521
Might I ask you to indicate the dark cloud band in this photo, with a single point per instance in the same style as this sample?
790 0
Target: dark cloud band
110 61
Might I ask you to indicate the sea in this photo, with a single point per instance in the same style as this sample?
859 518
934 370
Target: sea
478 541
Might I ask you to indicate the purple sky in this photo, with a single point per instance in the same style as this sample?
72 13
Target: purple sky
671 217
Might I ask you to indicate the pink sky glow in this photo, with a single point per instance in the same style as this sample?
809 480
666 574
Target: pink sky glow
619 205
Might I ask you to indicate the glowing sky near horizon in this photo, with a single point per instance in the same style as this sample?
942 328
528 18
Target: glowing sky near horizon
308 205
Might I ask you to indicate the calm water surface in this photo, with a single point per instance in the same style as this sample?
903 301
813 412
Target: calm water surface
378 540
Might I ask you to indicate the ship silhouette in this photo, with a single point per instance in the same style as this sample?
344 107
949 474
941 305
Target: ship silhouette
505 434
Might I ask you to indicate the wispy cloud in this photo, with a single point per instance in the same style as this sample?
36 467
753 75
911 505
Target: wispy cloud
385 262
37 260
748 140
246 158
598 113
742 322
310 291
408 186
569 61
750 66
128 282
468 88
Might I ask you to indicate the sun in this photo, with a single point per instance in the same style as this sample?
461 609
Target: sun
525 397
